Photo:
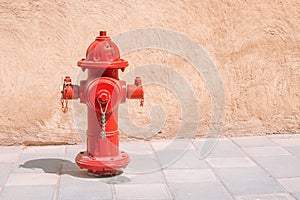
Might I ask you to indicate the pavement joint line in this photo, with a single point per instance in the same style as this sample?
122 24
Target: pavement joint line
253 160
275 141
198 149
11 170
281 136
114 193
286 148
213 170
163 174
56 192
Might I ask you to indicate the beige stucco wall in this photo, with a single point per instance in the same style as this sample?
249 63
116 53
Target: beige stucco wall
253 44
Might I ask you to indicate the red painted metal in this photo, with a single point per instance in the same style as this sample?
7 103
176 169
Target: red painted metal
102 92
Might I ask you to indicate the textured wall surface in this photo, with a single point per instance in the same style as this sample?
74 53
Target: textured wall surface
254 45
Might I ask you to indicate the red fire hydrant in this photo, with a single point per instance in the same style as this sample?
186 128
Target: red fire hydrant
102 92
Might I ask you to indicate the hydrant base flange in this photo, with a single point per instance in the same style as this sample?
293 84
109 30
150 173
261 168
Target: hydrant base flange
103 166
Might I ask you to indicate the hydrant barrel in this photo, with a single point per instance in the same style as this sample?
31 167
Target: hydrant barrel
97 88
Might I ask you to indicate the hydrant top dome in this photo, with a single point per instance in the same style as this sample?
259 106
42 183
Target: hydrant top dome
103 53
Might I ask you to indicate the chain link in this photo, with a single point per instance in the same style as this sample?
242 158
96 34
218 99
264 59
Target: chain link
103 120
64 103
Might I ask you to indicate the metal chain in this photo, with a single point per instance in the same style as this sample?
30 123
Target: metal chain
64 104
103 120
63 100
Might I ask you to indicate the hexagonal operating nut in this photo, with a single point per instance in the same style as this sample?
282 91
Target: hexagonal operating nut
103 97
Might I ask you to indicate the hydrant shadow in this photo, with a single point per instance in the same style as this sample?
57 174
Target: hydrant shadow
62 167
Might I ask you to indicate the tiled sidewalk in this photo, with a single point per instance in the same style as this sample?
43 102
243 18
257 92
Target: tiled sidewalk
264 167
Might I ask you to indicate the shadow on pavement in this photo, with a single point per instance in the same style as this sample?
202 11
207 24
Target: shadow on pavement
61 167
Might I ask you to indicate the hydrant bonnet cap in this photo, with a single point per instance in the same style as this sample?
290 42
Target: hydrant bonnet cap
103 53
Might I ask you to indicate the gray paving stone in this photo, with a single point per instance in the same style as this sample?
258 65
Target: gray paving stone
142 164
254 141
141 178
280 136
291 184
294 150
212 148
32 179
73 150
297 195
136 147
290 141
230 162
248 180
181 160
280 166
142 191
200 190
28 192
11 149
9 157
60 150
5 168
189 175
175 144
79 174
266 151
72 187
10 154
142 156
275 196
